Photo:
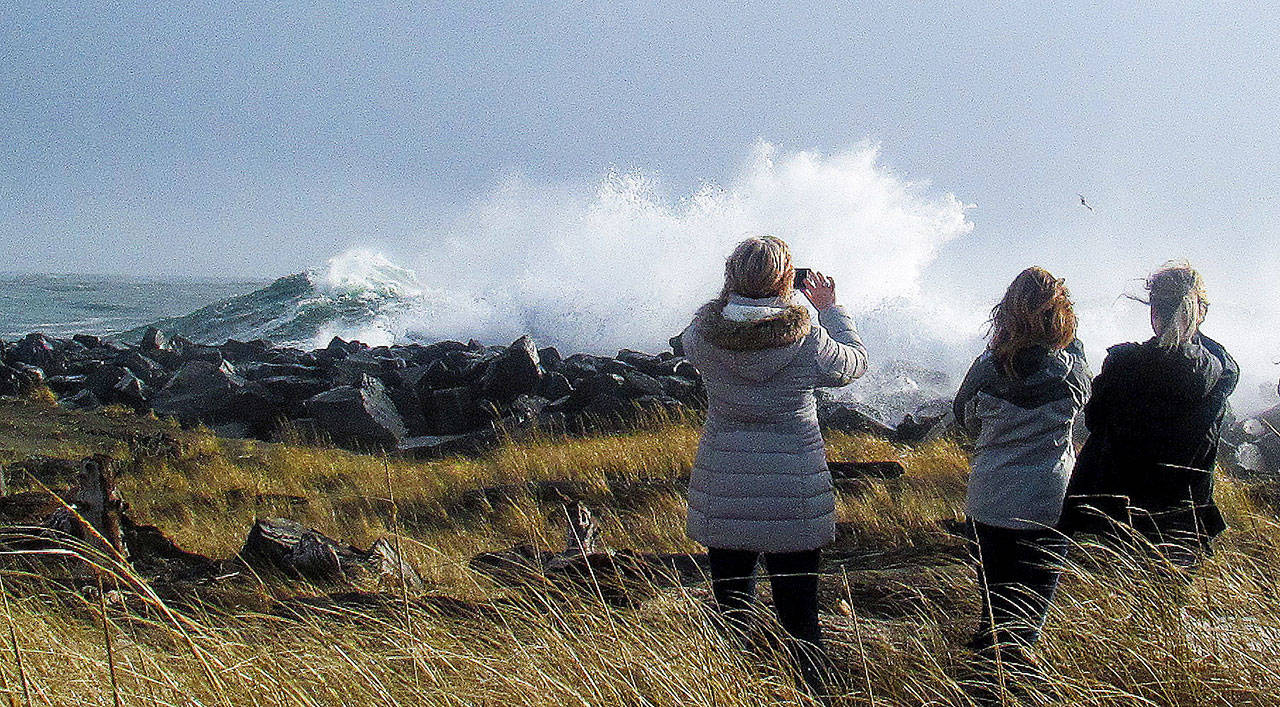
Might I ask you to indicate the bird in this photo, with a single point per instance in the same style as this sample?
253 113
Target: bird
1084 203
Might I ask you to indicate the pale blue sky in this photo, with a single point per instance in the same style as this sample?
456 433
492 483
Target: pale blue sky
254 139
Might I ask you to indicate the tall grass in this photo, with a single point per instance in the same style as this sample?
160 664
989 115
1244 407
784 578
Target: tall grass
896 607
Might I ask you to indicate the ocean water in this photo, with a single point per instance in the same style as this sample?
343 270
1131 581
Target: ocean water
623 264
62 305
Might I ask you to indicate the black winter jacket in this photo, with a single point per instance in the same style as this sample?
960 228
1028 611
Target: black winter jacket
1154 421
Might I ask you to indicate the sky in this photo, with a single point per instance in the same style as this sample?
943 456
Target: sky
251 140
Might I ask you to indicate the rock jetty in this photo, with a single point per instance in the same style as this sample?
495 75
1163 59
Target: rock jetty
420 399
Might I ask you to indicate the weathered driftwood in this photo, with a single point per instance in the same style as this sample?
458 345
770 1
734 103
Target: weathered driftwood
587 565
289 547
92 512
95 510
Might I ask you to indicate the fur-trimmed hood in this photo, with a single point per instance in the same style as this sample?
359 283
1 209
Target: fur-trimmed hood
755 338
768 324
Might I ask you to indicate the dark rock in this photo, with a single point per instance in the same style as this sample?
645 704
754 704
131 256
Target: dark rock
851 418
103 379
36 350
411 409
555 386
201 390
643 362
437 446
452 411
130 390
238 351
580 366
83 400
358 415
87 340
677 344
602 384
63 385
144 368
190 351
293 390
680 368
682 389
279 370
585 365
257 407
348 370
517 371
527 409
433 376
19 379
154 340
640 384
550 358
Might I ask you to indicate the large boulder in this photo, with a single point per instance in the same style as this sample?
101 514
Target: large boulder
516 371
358 415
452 411
238 351
292 391
144 368
19 379
437 446
36 350
850 417
154 340
200 390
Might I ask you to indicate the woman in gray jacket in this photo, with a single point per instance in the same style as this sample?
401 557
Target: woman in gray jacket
1019 401
760 483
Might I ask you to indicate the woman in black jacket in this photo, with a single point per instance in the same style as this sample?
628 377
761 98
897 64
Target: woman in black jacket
1154 421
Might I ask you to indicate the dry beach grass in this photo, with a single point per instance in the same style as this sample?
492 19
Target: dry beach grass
898 603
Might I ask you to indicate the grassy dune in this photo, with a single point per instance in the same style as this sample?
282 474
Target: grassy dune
896 606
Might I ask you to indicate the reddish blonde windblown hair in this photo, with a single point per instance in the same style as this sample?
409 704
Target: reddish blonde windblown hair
1036 309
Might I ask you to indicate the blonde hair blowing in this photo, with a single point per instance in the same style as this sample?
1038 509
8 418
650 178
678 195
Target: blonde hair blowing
759 267
1176 294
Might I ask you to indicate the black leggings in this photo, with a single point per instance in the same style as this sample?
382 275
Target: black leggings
794 578
1017 574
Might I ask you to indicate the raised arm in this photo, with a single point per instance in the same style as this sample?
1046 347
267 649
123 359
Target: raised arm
841 355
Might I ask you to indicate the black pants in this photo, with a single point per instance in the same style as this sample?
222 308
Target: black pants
794 578
1018 574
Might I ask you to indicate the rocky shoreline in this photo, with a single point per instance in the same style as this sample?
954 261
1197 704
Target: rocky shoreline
421 400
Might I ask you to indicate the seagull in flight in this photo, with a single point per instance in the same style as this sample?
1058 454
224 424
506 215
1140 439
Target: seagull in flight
1084 203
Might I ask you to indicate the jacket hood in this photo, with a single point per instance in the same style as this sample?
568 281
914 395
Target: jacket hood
762 337
1040 370
1189 372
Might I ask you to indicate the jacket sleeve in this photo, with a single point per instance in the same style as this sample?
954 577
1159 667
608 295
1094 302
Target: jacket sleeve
1102 392
841 355
1080 379
978 376
692 344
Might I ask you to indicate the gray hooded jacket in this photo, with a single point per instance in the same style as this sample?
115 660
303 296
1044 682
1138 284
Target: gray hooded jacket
760 481
1023 429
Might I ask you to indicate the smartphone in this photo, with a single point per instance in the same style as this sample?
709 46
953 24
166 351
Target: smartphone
802 274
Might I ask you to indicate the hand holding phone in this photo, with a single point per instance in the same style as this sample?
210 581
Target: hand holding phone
820 290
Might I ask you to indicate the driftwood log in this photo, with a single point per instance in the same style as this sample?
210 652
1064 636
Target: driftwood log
92 512
277 544
587 566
